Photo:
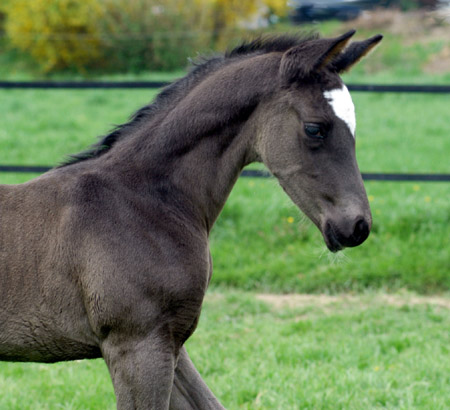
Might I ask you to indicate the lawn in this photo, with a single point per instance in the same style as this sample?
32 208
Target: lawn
366 340
265 351
261 241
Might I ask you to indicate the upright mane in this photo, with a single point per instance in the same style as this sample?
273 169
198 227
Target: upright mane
175 91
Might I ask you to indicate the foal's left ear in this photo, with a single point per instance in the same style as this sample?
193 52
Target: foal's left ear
353 53
303 60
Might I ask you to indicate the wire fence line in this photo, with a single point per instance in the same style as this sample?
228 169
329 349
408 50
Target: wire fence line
374 176
392 177
256 173
374 88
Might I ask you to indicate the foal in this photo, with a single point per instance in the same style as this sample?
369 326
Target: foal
107 256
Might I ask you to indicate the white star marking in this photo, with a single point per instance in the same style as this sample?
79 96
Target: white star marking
342 104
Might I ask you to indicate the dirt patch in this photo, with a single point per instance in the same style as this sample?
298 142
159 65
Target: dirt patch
299 300
389 20
410 25
292 301
426 28
440 63
410 300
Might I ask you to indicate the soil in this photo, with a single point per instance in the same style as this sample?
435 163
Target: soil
292 301
423 27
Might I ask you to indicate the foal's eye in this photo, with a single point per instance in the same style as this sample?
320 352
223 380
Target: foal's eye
314 131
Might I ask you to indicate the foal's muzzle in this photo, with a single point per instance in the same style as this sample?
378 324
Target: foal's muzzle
347 234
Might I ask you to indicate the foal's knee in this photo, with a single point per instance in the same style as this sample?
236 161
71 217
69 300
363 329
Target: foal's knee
141 369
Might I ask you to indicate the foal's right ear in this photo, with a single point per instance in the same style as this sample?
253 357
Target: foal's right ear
353 53
303 60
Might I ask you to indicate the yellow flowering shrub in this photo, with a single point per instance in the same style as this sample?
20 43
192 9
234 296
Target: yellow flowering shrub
3 4
277 7
57 33
228 13
227 16
126 34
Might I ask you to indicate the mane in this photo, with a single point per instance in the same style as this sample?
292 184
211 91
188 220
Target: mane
270 44
176 90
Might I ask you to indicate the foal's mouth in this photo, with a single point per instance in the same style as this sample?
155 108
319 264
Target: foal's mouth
331 239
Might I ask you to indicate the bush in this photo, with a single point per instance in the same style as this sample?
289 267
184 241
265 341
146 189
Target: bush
126 35
143 34
57 33
2 16
110 35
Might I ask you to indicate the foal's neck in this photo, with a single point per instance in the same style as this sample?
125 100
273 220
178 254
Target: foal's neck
199 147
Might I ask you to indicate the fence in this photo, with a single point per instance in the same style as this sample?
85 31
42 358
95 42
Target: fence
435 89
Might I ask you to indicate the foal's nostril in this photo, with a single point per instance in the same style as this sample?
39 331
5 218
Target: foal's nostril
341 236
361 231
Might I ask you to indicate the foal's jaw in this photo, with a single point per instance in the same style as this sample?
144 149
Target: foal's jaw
342 226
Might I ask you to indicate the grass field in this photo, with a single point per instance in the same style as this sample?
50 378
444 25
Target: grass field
257 348
261 241
283 352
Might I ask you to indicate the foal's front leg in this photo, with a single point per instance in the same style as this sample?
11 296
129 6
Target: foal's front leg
142 370
189 391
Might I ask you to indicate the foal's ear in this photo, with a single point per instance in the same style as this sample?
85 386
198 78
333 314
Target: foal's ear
353 53
302 60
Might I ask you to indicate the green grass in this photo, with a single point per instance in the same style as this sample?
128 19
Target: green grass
254 245
349 352
43 127
346 352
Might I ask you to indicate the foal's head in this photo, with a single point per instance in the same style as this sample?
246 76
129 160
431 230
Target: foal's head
307 136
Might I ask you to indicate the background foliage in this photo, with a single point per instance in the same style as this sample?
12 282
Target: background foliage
57 33
126 35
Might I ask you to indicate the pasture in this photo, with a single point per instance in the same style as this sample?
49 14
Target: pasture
371 337
261 242
276 352
352 352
